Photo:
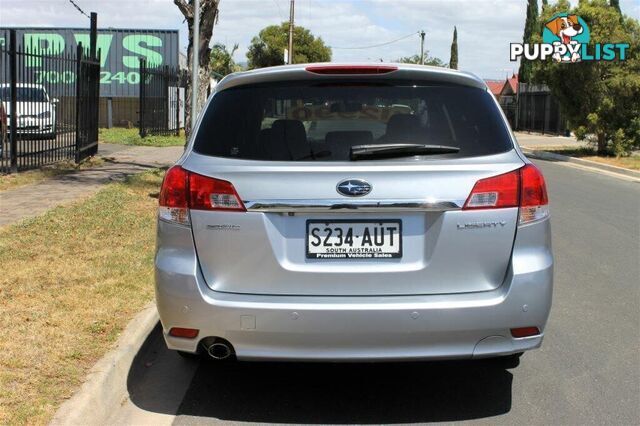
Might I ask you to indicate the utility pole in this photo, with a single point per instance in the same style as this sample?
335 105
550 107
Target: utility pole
195 63
93 34
421 47
290 50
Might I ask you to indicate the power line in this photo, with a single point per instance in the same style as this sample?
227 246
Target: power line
279 10
377 45
79 10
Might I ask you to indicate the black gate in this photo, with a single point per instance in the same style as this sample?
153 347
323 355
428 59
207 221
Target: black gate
539 111
161 100
48 106
87 99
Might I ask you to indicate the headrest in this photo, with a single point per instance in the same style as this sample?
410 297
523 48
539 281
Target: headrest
293 130
290 137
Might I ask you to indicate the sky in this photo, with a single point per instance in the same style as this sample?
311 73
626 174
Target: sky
485 27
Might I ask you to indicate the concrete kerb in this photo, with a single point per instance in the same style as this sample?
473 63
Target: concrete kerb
106 384
545 155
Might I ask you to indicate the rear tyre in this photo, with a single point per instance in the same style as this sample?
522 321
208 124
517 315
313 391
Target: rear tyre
509 361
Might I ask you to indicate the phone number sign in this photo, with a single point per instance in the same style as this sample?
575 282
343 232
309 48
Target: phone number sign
120 49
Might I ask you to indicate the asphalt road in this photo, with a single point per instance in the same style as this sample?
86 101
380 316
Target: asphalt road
587 372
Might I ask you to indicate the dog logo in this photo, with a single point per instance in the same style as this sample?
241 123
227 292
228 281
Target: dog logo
569 30
565 38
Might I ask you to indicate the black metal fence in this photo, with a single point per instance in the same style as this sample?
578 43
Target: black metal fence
49 106
161 100
539 111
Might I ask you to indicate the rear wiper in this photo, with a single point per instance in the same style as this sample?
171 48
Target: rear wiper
361 152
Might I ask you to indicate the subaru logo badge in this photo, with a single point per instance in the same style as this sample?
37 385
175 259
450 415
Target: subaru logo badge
353 187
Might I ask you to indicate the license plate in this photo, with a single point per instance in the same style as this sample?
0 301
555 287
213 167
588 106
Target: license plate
354 239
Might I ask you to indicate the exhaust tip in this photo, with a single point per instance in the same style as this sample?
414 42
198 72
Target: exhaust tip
219 351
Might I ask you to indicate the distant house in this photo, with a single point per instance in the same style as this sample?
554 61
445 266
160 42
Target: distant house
495 86
509 91
505 90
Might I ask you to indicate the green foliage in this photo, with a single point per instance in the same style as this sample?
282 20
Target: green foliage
616 5
601 99
221 59
428 60
453 62
531 27
267 49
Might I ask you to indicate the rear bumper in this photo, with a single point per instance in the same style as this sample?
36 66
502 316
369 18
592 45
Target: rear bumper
348 328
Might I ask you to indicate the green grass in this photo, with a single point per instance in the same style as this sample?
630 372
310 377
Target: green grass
71 280
124 136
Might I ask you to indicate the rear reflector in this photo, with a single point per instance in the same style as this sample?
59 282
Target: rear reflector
351 69
524 188
183 190
187 333
525 331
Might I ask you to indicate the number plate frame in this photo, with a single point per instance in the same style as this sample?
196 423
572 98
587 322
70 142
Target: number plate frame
325 222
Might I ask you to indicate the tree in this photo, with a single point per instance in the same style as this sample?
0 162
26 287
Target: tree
601 99
428 60
453 62
208 18
222 62
267 49
531 27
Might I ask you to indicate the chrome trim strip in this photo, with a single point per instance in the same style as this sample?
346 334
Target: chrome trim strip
361 205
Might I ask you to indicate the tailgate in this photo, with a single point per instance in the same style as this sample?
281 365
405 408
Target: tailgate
266 250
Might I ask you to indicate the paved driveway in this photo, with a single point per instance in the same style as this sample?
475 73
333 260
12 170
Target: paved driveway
587 372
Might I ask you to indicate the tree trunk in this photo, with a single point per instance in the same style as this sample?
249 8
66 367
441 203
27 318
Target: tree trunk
602 143
208 18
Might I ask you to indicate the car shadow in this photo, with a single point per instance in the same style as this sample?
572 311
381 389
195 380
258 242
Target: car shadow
327 393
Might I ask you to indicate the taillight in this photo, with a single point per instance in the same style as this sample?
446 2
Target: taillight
183 190
495 192
524 188
534 203
207 193
173 196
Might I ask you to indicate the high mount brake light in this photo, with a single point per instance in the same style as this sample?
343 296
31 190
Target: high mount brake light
351 69
524 188
183 190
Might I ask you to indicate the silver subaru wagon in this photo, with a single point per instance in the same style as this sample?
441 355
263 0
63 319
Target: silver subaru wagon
353 212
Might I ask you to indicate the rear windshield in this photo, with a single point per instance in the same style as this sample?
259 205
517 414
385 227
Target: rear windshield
322 122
